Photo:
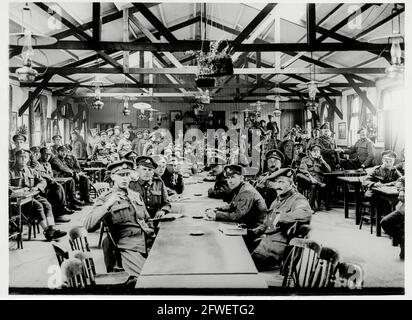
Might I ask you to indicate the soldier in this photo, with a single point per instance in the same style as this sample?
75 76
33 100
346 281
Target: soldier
151 188
21 176
54 192
274 159
102 148
221 188
310 175
125 145
328 147
124 212
117 136
298 155
131 156
289 208
19 140
364 151
92 140
57 142
45 169
172 178
313 140
247 206
61 168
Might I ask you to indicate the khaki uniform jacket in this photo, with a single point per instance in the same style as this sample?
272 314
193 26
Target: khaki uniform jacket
386 176
327 143
284 212
31 178
154 194
60 168
364 150
127 219
247 206
314 167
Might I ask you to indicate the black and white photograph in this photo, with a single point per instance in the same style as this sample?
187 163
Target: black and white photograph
206 148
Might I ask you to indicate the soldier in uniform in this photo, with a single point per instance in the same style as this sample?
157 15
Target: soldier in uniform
221 188
54 192
247 205
364 151
274 160
124 211
172 178
328 147
298 155
45 169
116 137
92 140
310 175
19 140
102 148
21 176
314 139
57 142
289 208
151 188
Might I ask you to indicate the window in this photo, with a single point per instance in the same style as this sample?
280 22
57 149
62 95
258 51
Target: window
354 121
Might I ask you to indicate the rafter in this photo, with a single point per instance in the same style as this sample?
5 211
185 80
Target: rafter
360 93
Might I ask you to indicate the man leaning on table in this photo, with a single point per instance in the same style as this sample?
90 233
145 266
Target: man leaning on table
289 208
247 206
125 213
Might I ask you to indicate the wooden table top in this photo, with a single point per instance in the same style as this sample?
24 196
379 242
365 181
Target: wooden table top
212 260
343 173
62 179
387 191
359 179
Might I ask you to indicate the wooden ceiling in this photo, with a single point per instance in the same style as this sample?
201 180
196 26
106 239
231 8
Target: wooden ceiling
143 47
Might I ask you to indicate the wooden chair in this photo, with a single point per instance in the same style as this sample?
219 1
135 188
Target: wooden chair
349 275
299 268
326 268
100 188
73 273
78 239
61 254
366 211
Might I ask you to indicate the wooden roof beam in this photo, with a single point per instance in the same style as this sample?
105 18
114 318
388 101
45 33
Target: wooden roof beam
360 93
331 103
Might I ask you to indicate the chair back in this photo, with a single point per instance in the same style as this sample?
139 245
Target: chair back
349 275
87 259
78 239
61 254
101 187
300 264
326 268
73 273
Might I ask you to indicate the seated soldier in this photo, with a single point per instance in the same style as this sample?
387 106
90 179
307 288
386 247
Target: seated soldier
40 210
221 188
60 165
160 170
290 207
298 155
19 140
54 193
384 175
310 176
274 159
57 142
328 147
124 212
363 150
45 169
394 223
247 205
172 178
151 188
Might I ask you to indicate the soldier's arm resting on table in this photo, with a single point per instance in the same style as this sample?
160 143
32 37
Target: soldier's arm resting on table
372 178
241 209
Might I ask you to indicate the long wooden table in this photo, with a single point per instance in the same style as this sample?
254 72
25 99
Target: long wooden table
212 260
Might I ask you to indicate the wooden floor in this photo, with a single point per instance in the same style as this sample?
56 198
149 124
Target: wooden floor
30 266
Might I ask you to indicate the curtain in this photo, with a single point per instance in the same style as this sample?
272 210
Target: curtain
362 115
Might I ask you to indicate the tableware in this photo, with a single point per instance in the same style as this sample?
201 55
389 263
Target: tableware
196 233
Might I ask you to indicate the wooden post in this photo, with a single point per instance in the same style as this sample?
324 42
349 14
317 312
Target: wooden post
31 120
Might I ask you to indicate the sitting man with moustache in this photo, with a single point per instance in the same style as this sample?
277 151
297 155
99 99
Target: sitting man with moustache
247 205
289 208
40 210
274 159
172 178
124 212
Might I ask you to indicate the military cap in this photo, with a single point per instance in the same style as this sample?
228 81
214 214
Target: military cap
389 153
56 136
102 132
120 165
61 148
19 137
360 129
232 169
21 152
75 131
159 158
35 149
275 153
130 154
315 129
45 150
299 144
146 162
109 129
117 127
284 172
315 145
325 126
